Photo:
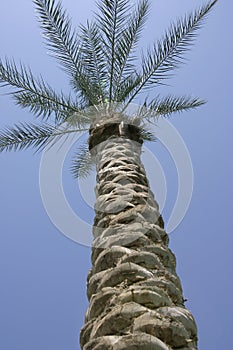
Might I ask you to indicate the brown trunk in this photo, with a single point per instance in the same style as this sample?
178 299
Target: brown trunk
135 294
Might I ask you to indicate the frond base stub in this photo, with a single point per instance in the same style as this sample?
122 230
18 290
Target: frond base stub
101 133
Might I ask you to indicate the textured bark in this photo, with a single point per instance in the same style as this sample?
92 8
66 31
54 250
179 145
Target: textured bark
135 295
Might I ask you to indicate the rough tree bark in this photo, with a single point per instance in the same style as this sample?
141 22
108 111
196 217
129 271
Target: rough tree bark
135 295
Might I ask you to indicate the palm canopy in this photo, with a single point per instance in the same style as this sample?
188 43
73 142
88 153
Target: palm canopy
103 69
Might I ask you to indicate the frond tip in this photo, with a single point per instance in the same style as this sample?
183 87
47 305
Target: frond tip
23 136
35 94
165 106
147 135
62 41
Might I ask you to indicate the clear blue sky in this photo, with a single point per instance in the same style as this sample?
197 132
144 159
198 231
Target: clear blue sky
42 273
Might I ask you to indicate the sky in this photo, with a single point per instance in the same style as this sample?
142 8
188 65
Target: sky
42 272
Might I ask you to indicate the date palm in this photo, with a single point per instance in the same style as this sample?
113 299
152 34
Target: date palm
135 294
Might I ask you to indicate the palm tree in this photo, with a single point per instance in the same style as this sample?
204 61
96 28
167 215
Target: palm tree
135 294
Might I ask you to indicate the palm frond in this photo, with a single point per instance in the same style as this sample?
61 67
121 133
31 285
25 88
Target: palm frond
86 90
82 163
147 135
128 42
35 94
65 45
168 53
127 86
93 61
62 41
112 17
40 105
25 135
164 107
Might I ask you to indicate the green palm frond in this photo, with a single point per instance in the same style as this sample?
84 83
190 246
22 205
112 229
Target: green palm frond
82 163
23 136
111 19
147 135
85 89
62 41
40 105
93 61
167 54
127 86
26 135
128 42
65 45
168 105
35 94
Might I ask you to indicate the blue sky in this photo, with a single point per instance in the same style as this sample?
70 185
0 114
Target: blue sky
42 273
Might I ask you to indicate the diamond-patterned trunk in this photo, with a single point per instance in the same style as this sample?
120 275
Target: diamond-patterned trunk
135 295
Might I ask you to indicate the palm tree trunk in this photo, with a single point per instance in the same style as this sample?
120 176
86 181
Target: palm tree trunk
135 295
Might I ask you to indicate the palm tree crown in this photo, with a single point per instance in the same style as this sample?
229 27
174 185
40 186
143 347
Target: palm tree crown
104 73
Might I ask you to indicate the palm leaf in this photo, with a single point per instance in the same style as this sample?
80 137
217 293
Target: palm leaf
166 55
93 61
111 19
35 94
147 135
127 86
40 105
128 42
170 104
62 41
25 135
82 163
66 46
